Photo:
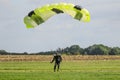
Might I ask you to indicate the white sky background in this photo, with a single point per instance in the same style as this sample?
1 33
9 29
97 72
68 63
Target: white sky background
60 30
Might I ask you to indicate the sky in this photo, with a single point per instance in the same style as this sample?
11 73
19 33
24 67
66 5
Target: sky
61 30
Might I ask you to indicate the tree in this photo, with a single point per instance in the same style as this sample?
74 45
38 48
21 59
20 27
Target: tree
97 50
74 49
115 51
66 50
3 52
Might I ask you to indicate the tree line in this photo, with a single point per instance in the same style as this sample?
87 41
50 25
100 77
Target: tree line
96 49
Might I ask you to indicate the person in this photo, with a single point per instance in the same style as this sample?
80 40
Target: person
57 59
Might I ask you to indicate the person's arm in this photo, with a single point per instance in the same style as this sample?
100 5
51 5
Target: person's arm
53 59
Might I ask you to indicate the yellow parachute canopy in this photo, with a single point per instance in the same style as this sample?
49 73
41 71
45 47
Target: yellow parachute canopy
41 14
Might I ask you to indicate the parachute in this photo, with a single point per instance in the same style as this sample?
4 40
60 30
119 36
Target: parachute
41 14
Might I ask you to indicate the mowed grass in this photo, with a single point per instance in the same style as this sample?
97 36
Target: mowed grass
70 70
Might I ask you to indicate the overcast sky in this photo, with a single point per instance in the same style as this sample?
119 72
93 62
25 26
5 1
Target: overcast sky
61 30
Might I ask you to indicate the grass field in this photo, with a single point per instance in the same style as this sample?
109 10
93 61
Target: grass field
70 70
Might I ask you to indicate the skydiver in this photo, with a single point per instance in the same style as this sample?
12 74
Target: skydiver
58 59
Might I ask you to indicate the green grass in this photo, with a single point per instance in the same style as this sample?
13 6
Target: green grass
71 70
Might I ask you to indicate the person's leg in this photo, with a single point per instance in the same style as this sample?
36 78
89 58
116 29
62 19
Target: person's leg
55 67
58 66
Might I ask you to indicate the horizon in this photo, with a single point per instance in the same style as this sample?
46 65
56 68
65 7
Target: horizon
60 48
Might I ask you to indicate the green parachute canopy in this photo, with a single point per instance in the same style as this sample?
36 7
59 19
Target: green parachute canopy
41 14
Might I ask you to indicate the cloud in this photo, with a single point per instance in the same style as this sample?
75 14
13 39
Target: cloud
4 1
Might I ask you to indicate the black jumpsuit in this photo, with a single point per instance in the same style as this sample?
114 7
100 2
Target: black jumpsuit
57 60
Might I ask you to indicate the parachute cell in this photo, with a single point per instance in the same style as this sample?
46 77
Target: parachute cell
41 14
